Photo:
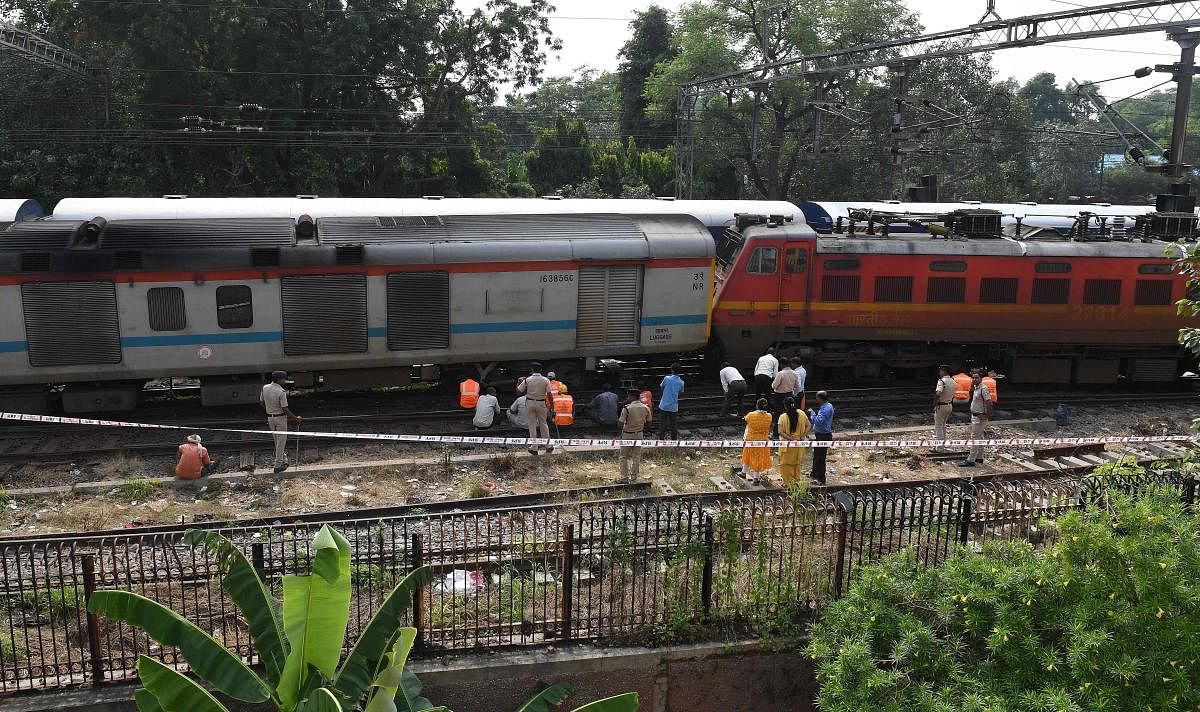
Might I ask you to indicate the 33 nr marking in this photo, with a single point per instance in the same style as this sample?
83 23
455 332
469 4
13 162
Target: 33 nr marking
553 278
1096 312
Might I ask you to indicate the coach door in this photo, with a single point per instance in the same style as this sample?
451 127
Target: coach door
793 288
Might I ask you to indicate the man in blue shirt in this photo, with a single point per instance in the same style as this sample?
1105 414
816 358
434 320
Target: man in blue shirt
822 422
668 405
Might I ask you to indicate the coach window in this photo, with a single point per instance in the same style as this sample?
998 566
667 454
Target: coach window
1156 269
795 260
1052 267
235 307
763 260
165 305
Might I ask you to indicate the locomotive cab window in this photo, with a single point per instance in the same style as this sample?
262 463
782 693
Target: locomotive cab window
763 260
795 260
165 307
235 307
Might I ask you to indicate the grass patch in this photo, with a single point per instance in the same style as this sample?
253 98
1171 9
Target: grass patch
474 488
121 466
10 650
138 490
510 465
55 602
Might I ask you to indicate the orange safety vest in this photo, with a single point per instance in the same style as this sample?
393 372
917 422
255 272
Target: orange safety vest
991 385
468 393
564 409
962 386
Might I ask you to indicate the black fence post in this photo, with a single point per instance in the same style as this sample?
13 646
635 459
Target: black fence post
1189 493
966 509
418 604
258 559
93 620
844 504
706 582
568 579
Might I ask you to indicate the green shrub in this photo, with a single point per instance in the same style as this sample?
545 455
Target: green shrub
1106 619
138 490
10 650
55 602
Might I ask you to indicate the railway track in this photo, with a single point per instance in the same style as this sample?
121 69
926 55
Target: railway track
23 447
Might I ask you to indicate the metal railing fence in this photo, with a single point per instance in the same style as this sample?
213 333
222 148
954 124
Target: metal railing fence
614 571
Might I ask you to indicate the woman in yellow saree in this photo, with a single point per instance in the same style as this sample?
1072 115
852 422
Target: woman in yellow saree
793 426
757 460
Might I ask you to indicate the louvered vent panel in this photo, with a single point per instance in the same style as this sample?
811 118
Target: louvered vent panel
206 232
998 290
839 288
324 314
1051 291
418 311
35 262
1153 292
1102 291
590 319
946 290
165 307
39 235
624 302
893 289
71 323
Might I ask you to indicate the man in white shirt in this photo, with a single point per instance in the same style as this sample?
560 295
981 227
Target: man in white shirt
487 409
764 373
801 377
734 386
274 402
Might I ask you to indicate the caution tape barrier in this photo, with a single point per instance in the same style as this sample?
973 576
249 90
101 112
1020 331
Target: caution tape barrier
612 442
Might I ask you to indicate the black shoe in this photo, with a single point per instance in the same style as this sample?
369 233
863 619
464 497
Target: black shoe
979 461
280 468
967 463
534 452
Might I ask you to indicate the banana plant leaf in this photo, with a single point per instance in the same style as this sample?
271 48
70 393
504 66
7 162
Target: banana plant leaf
627 702
252 598
391 674
550 697
146 701
316 609
408 695
321 700
206 657
173 691
355 674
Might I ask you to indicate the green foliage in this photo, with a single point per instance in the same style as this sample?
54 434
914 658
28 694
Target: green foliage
648 45
58 603
1108 618
138 490
10 649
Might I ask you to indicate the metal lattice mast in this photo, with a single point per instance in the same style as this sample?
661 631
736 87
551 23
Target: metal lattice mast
29 46
1121 18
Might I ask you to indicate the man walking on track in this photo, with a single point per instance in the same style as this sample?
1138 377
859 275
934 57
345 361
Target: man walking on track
668 404
980 400
274 402
764 373
943 402
536 389
633 420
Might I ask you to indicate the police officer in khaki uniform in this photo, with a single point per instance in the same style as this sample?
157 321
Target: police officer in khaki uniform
274 402
634 419
536 389
981 411
943 402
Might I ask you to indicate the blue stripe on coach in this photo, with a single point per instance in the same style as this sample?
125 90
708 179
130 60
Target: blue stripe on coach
485 328
672 320
231 337
12 347
377 332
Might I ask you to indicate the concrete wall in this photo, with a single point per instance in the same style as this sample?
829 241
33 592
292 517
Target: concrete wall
694 678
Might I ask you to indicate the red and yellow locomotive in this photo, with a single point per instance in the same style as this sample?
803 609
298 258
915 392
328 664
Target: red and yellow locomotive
1042 309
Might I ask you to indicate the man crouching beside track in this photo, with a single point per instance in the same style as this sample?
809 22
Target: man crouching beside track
274 402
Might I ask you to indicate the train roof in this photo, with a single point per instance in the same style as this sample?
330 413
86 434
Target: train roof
822 215
713 213
914 245
581 236
14 210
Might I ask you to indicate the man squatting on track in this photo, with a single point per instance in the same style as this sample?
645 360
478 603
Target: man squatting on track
274 402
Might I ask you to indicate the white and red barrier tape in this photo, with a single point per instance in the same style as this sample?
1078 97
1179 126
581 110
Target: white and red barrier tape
607 442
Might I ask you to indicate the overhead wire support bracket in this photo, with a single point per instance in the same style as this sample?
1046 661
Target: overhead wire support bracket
33 48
